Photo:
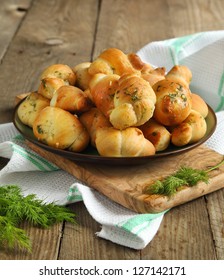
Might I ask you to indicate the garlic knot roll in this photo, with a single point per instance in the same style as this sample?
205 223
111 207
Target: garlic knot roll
60 129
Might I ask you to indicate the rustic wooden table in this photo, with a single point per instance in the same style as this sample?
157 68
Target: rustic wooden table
37 33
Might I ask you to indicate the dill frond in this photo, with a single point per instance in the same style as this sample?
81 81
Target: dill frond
192 176
12 236
156 188
185 176
15 208
171 184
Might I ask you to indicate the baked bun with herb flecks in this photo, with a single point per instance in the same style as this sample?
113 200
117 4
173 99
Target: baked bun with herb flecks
93 120
60 129
72 99
136 62
31 107
102 89
199 105
49 85
180 74
152 75
61 71
114 61
173 98
82 75
134 102
129 142
191 130
157 134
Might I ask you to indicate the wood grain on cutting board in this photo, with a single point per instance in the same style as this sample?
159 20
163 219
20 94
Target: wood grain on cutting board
125 184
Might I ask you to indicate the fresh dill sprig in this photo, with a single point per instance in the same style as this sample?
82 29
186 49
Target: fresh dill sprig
171 184
15 208
11 235
192 176
185 176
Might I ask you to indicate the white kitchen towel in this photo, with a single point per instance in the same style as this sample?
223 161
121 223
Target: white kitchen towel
203 54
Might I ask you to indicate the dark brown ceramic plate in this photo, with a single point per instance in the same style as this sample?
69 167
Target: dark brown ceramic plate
90 155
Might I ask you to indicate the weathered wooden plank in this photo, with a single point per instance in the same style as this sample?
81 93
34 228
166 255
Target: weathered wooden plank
129 25
183 235
195 16
45 244
64 33
215 204
12 14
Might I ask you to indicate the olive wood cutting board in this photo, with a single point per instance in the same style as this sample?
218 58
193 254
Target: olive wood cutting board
125 184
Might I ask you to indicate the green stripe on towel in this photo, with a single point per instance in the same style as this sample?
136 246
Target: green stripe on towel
139 222
178 44
39 162
221 93
21 139
74 194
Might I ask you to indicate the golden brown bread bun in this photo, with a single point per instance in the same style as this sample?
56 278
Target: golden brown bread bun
199 105
129 142
134 102
60 129
153 75
174 101
157 134
71 99
136 61
191 130
180 74
82 75
93 120
30 108
147 68
61 71
48 86
102 88
114 61
88 94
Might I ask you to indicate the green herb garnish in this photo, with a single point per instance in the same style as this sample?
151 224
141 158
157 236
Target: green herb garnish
16 208
40 129
43 81
185 176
